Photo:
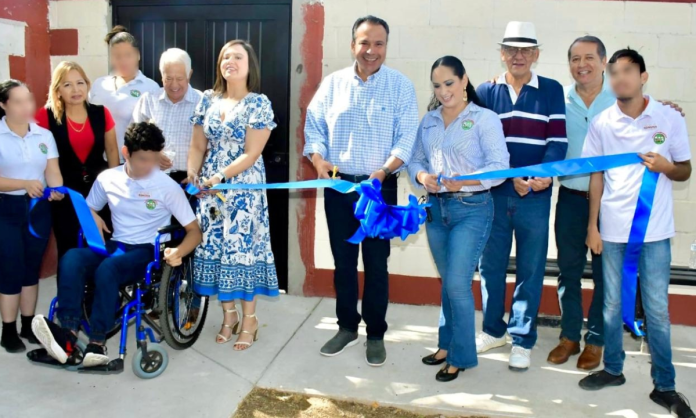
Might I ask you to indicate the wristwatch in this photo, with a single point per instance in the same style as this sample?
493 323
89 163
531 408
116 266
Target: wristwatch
387 171
221 176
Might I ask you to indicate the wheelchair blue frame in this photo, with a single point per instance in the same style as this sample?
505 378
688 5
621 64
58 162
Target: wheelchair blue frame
135 305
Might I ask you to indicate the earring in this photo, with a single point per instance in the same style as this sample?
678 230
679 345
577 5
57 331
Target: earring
466 96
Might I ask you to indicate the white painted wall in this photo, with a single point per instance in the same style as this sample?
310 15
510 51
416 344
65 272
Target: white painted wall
424 30
12 33
92 19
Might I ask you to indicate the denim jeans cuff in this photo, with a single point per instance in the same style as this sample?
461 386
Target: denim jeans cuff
97 337
375 337
665 388
72 324
613 373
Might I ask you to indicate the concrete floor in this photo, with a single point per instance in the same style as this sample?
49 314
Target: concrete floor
209 380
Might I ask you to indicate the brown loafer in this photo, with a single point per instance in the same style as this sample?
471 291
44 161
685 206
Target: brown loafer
563 351
590 358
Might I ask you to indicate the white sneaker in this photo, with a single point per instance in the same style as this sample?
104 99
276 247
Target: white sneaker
520 359
485 342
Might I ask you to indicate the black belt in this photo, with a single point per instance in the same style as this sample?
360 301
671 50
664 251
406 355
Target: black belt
358 179
586 195
454 195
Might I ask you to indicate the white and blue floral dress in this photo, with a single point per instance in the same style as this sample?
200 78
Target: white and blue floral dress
234 259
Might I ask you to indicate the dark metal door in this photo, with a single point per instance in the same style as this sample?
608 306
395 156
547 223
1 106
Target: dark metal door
201 28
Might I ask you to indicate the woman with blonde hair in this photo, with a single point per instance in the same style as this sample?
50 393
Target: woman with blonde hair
83 133
121 90
234 260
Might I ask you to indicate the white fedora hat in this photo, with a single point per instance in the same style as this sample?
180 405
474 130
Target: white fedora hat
520 34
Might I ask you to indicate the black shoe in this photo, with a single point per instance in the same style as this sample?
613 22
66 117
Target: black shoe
58 342
28 335
12 343
376 354
674 402
432 361
342 340
95 355
445 376
600 380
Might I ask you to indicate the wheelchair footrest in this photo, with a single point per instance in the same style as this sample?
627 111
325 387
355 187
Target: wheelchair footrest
113 367
41 356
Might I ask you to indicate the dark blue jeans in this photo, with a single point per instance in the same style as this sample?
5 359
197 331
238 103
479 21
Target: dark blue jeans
457 234
79 265
21 252
342 225
572 213
654 271
528 218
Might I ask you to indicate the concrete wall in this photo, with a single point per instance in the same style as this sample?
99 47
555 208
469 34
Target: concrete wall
423 30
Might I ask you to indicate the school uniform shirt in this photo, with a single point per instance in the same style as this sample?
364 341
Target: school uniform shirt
659 129
472 143
80 135
172 118
122 101
25 158
139 207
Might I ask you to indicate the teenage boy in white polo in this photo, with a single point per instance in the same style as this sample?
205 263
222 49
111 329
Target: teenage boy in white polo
142 199
636 123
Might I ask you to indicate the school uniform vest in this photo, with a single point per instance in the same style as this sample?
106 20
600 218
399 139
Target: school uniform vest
77 175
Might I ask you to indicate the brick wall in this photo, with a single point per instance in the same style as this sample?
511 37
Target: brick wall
423 30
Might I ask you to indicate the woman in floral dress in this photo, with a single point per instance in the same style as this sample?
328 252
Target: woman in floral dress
232 123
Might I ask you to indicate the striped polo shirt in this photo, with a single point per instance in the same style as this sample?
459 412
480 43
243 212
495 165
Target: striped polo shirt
533 123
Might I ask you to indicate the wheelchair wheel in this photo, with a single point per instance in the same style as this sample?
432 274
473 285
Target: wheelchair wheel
153 365
183 311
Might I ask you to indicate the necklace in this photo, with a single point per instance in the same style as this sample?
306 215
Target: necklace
72 126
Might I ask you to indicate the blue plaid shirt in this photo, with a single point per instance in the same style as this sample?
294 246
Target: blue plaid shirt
357 125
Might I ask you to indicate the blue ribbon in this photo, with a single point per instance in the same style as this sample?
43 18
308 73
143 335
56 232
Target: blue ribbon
377 219
90 230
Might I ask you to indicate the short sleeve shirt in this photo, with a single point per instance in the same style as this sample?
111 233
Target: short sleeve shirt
122 101
25 158
139 207
659 129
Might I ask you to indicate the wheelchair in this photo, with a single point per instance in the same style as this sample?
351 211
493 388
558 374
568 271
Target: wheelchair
163 300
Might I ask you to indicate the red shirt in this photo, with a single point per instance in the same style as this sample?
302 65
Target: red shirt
80 134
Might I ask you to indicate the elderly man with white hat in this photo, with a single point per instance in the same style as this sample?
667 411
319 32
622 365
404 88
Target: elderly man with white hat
532 110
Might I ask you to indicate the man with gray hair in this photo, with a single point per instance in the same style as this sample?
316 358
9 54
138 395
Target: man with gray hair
170 109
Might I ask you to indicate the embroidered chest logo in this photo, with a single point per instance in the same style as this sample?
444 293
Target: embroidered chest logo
143 194
150 204
44 148
659 138
467 124
135 93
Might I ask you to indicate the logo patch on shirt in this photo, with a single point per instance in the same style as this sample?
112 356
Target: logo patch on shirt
150 204
650 127
659 138
143 194
467 124
135 93
44 148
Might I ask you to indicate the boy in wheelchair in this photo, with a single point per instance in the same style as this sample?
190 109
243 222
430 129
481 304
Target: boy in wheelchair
142 199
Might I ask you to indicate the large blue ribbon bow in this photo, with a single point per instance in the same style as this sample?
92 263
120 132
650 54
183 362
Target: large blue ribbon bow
90 230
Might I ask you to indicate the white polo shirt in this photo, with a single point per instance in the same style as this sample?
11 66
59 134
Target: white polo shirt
121 102
25 158
139 207
659 129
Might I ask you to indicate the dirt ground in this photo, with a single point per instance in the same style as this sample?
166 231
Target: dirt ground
268 403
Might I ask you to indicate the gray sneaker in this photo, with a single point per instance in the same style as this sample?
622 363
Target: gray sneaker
376 354
342 340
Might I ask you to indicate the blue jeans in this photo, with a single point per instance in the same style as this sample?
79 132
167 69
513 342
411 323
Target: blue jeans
654 270
572 213
109 273
457 234
528 218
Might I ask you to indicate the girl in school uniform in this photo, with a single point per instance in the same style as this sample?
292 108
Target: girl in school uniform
83 133
121 90
28 163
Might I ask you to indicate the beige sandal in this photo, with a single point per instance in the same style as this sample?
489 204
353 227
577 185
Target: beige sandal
221 339
255 335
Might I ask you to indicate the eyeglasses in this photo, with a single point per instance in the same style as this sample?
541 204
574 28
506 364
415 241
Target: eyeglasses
512 51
